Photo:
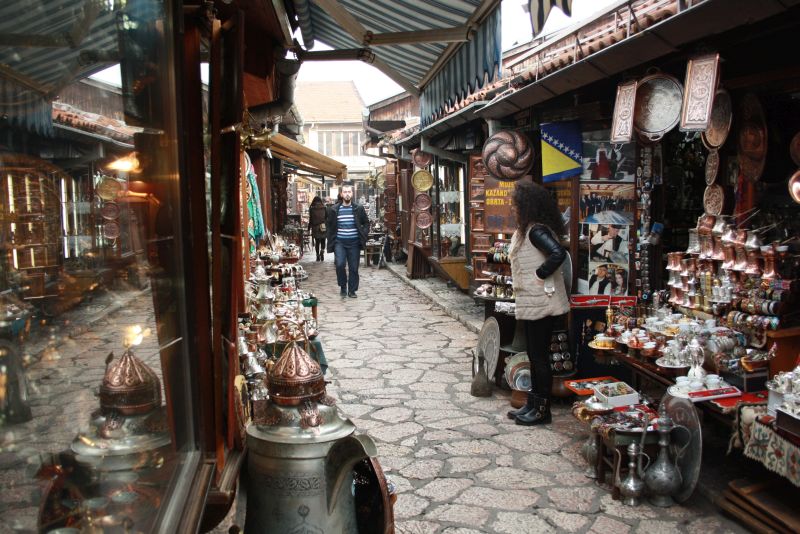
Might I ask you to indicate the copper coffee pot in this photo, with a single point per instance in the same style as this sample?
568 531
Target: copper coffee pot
753 262
768 253
729 259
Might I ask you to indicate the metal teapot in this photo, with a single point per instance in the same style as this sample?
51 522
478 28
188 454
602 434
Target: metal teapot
663 479
301 455
632 488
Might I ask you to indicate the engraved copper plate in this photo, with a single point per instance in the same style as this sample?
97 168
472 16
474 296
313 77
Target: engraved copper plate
424 220
422 202
751 168
720 122
658 105
110 210
422 180
794 149
111 230
712 166
714 199
622 123
108 188
421 159
794 187
702 75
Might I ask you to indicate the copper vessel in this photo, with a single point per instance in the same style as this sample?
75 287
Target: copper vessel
694 243
129 386
768 253
729 252
753 262
741 258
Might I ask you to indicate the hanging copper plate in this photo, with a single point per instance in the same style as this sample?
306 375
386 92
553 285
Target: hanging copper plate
658 105
508 155
422 180
751 168
422 202
421 159
111 230
720 122
702 74
712 166
714 199
622 123
794 187
110 210
424 220
108 188
794 149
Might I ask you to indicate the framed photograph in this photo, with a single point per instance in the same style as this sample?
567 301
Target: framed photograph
607 161
609 243
477 191
481 242
607 203
477 220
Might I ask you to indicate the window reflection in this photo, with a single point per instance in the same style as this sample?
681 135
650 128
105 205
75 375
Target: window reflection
94 416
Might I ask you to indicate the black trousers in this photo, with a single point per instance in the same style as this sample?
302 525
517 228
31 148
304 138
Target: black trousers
319 245
538 334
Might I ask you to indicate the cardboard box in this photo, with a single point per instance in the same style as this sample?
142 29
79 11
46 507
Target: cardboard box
616 400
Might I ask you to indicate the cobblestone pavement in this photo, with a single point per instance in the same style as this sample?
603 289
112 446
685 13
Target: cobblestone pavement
400 367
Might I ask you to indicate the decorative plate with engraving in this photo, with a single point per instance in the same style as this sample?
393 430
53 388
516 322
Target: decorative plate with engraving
422 180
424 220
111 230
421 159
422 202
714 199
658 105
109 188
110 211
702 75
712 166
720 122
489 345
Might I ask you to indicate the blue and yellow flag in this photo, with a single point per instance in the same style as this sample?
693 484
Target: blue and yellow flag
561 150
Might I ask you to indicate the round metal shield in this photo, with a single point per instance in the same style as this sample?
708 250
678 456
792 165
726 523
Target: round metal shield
719 123
712 166
688 443
422 202
422 180
714 199
489 345
111 230
108 188
794 149
421 159
110 211
508 155
424 220
658 105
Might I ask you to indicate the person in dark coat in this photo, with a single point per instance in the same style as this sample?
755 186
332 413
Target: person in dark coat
348 228
316 223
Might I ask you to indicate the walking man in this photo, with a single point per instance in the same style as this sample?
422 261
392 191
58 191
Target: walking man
348 227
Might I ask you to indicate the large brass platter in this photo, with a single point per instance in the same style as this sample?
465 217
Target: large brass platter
658 105
422 180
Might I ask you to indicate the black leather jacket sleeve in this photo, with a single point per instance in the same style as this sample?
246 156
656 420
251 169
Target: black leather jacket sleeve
542 238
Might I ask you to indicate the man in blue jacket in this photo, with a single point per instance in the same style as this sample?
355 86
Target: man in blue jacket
348 228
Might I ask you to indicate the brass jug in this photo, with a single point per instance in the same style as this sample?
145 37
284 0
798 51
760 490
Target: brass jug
301 455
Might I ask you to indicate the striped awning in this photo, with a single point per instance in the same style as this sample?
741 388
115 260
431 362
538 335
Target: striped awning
412 63
540 10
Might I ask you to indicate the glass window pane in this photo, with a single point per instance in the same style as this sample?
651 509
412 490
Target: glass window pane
91 270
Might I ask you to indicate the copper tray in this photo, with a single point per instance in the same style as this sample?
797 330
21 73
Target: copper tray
751 168
111 230
714 199
421 159
622 123
794 149
424 220
422 202
422 180
658 106
712 166
110 210
720 122
108 188
702 75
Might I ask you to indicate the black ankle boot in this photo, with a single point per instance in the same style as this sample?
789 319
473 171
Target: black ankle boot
539 415
529 404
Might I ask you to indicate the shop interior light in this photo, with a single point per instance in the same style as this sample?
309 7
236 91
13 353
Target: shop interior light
129 163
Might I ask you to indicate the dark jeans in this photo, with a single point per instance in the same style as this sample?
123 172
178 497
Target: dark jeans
349 252
538 337
319 246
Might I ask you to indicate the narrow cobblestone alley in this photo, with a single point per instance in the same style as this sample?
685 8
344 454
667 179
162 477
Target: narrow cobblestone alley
400 367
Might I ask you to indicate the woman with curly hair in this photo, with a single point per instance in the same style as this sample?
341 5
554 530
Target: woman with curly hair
536 257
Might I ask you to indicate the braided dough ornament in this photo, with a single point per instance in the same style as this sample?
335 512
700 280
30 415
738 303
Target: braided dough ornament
508 155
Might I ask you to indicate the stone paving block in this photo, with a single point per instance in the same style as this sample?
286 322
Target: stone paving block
519 523
409 506
509 477
444 489
457 513
500 499
422 469
606 525
564 521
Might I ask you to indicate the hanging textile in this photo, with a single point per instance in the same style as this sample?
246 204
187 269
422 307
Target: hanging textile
255 222
561 150
540 10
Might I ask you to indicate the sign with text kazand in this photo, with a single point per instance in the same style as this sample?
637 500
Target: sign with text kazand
499 217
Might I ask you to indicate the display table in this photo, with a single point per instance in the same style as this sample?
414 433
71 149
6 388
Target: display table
315 350
776 452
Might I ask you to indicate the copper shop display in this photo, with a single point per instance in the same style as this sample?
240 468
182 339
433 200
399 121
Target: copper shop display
424 220
702 76
422 202
658 106
622 123
421 159
508 155
712 166
422 180
752 138
719 123
714 199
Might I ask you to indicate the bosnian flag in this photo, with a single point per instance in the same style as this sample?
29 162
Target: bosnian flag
561 150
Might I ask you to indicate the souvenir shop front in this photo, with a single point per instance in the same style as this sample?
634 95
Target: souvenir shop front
678 182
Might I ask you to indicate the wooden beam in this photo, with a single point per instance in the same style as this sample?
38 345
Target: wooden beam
21 79
459 34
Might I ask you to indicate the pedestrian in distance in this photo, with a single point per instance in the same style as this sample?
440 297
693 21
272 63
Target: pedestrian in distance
536 256
316 223
348 228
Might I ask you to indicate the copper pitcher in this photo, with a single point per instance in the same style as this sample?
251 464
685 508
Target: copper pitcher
729 259
768 253
753 262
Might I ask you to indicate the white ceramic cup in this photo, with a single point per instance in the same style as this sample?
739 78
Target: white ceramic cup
712 383
682 381
696 385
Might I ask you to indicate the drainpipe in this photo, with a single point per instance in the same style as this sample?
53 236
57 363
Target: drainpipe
274 111
494 126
